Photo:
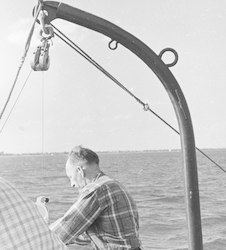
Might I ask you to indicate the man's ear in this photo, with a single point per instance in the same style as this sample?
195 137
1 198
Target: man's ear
81 171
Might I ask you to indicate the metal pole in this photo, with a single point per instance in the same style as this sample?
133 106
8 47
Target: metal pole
154 62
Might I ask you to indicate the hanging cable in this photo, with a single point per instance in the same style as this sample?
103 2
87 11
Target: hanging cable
27 45
145 106
43 111
15 103
43 129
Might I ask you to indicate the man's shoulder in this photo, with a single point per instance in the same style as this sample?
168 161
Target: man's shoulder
110 186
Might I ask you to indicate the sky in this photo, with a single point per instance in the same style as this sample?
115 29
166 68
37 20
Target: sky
75 104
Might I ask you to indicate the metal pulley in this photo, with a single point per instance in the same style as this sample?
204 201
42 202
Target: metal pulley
40 60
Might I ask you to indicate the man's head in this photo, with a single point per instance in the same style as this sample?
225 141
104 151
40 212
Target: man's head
82 166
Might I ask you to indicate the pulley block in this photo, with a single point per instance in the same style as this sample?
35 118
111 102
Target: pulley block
40 60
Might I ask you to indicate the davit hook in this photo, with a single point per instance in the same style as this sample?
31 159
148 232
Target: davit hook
40 60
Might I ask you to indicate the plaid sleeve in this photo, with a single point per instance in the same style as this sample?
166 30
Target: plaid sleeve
78 218
21 225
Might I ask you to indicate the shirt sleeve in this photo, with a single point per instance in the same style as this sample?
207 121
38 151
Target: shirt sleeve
78 218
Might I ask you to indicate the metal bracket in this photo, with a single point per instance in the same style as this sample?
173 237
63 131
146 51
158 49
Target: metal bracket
111 46
175 54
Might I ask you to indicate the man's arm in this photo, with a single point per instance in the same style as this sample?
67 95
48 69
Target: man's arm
77 219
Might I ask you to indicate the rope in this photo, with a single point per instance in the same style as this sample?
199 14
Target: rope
145 106
98 66
43 110
43 129
27 45
15 102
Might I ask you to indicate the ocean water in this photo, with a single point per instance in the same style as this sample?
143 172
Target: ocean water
155 179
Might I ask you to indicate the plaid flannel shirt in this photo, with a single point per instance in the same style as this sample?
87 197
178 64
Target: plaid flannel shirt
104 210
21 225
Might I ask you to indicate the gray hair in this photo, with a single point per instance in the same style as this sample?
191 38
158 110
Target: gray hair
82 155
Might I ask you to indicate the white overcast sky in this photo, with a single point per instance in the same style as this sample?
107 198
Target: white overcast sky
73 103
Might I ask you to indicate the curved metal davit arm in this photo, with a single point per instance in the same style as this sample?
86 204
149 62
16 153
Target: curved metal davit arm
154 62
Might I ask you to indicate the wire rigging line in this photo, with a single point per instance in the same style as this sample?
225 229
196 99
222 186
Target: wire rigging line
145 106
43 110
211 159
87 57
43 129
27 45
15 102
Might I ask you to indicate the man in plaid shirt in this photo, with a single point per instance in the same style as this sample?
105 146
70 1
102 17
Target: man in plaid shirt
21 225
105 213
